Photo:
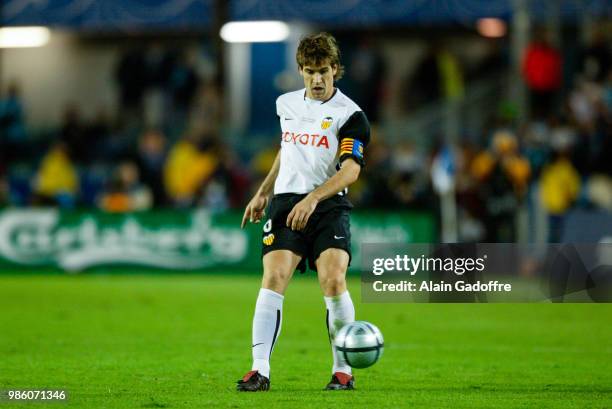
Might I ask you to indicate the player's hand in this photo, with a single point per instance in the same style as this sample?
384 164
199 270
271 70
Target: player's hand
301 212
255 210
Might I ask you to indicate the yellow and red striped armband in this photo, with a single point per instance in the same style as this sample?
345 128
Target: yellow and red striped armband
353 147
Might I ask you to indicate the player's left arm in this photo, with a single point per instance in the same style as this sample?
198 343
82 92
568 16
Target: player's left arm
354 135
301 212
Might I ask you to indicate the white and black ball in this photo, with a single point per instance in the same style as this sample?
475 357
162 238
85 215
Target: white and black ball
361 343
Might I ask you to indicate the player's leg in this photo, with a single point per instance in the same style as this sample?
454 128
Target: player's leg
279 266
331 268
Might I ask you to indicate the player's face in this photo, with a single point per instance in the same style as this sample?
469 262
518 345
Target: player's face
319 80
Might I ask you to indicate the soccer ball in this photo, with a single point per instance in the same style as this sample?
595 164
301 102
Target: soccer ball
361 344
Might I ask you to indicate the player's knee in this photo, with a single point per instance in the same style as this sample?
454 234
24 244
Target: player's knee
334 282
276 280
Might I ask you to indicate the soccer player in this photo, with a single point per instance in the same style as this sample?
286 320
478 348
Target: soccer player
323 137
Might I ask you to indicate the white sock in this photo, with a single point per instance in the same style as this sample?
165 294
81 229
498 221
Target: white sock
340 311
266 328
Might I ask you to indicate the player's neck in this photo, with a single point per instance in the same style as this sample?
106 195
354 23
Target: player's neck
324 98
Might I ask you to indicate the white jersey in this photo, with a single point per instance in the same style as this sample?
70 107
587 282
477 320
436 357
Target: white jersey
316 136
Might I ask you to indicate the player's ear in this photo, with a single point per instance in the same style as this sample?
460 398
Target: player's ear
301 70
334 69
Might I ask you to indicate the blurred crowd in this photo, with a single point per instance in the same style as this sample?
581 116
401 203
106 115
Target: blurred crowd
165 149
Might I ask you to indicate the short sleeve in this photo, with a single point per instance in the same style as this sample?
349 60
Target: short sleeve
278 108
354 136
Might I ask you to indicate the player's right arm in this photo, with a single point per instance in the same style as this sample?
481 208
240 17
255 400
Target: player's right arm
256 208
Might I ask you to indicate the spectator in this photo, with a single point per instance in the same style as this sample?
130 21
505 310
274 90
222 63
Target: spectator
188 167
150 158
503 175
542 73
559 189
125 192
57 180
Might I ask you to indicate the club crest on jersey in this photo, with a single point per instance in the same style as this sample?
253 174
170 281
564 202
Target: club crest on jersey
326 122
269 239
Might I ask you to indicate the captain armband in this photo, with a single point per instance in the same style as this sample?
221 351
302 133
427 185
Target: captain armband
350 147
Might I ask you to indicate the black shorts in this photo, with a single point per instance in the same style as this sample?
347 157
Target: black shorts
328 227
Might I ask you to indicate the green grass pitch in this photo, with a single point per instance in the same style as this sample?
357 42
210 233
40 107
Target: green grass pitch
181 341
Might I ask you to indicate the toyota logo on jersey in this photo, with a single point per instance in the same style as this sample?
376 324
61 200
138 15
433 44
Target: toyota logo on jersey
305 139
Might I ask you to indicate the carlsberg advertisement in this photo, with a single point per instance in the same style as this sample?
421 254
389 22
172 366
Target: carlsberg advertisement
73 241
